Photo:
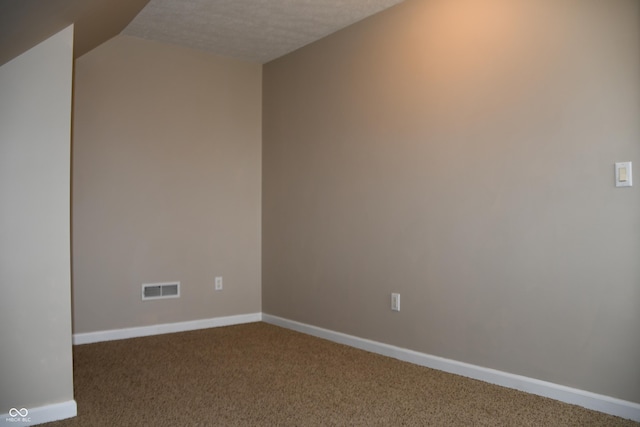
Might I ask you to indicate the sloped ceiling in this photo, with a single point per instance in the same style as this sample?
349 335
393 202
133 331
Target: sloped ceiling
25 23
252 30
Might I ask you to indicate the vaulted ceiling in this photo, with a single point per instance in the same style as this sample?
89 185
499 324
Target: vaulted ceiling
252 30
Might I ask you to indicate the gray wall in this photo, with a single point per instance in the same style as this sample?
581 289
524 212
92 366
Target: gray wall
35 278
166 184
461 153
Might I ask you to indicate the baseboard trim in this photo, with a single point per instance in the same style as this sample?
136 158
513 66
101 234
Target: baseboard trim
166 328
42 414
586 399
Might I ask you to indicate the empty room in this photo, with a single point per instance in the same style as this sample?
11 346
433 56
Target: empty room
327 212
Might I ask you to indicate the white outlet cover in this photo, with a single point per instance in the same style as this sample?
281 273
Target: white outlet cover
395 302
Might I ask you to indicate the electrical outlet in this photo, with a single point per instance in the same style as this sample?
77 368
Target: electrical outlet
218 283
395 302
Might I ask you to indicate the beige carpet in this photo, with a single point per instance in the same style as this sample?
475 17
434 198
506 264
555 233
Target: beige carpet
262 375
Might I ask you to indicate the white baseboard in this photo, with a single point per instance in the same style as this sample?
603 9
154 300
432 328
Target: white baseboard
167 328
40 414
586 399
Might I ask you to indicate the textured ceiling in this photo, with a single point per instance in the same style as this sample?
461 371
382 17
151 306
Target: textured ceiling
252 30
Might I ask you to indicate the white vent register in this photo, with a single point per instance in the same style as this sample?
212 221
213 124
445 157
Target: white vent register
160 290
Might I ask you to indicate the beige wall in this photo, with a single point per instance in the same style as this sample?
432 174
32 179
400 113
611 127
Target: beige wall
166 184
461 153
35 279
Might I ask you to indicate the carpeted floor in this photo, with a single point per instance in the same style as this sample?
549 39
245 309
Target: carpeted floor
262 375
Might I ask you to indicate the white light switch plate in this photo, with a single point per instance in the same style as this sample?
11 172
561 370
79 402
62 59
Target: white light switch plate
624 176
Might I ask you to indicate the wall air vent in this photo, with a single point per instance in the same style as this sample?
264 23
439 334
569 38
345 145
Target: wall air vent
160 290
